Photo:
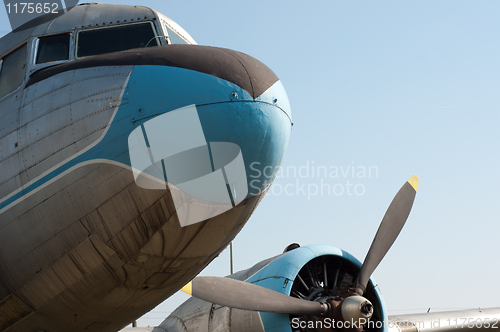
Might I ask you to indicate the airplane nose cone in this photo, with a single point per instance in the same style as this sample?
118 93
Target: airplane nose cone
237 99
197 110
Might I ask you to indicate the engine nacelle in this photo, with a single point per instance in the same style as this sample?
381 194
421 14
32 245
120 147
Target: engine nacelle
314 273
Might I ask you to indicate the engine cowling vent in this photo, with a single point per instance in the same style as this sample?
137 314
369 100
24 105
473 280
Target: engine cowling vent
327 277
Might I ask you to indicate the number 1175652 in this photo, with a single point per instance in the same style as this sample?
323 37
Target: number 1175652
31 8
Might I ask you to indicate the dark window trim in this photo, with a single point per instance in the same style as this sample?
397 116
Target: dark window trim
36 46
25 68
112 26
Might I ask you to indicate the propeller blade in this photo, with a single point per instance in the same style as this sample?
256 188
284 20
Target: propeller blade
242 295
389 229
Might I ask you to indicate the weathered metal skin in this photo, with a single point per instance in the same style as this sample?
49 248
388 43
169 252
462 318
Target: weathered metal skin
49 122
82 247
201 316
116 261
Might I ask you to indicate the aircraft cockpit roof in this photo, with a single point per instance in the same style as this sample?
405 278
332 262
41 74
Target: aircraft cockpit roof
84 16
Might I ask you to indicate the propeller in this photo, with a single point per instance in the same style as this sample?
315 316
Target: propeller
389 229
242 295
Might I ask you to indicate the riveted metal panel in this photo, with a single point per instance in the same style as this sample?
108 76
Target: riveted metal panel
8 146
8 233
12 309
10 168
246 321
61 116
39 152
158 262
35 92
9 110
10 185
219 319
42 127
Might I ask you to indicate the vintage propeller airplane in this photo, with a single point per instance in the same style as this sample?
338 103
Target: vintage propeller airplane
124 156
314 288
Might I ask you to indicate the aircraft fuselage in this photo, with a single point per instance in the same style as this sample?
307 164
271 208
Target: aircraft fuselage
83 246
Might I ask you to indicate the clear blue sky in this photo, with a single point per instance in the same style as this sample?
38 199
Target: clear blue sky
408 87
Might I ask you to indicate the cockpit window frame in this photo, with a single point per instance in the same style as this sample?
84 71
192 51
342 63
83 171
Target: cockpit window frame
167 28
26 65
36 44
75 50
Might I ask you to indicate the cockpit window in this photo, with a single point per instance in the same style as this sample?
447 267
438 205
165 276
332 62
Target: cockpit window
174 38
53 48
115 39
12 71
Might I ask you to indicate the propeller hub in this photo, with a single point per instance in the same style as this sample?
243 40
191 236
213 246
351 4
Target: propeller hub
355 308
367 309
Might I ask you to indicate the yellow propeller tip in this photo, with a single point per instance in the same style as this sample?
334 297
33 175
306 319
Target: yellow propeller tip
188 289
413 181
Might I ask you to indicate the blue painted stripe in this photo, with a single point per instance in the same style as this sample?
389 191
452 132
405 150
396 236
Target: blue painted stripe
157 89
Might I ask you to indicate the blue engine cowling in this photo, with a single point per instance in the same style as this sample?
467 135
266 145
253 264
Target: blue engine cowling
313 272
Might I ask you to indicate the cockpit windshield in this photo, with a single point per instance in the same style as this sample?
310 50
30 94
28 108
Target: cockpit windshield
53 48
174 38
114 39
